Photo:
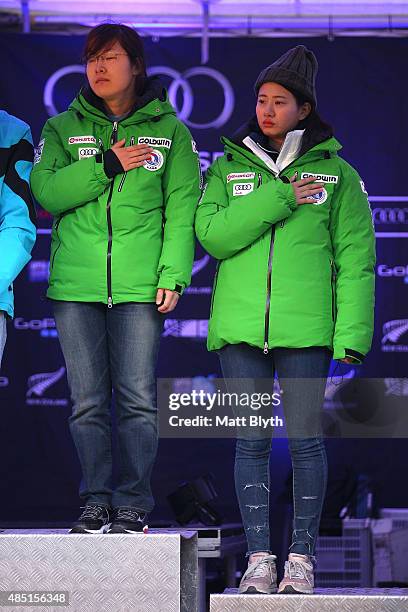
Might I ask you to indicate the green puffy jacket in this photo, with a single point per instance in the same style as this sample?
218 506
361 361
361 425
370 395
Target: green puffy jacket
288 275
118 239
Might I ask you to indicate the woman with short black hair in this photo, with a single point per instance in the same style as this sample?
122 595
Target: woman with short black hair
121 176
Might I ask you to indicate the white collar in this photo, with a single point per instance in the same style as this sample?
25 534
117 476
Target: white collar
288 153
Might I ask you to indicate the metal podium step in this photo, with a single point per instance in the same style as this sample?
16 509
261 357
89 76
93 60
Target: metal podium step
154 572
323 600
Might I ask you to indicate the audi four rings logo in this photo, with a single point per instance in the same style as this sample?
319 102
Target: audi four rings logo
389 216
180 80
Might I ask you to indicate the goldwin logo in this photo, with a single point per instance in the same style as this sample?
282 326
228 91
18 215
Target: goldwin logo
38 384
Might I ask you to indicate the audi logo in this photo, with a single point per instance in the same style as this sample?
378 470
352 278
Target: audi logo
390 215
48 96
179 81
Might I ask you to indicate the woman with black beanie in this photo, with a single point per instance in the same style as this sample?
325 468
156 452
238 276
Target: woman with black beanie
290 223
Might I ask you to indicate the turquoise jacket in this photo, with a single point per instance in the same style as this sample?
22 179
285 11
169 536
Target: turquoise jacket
17 215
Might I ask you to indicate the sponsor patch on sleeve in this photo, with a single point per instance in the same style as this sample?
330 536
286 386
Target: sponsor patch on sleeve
73 140
85 152
240 189
38 151
155 142
239 176
321 178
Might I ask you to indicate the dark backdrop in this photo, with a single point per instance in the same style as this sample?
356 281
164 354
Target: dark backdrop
361 90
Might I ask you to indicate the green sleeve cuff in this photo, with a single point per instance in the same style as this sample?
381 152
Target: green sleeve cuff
100 171
289 195
354 355
168 283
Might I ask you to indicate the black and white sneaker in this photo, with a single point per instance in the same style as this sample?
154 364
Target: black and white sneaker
128 520
94 519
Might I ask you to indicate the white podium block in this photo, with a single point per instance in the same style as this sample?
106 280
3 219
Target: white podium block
154 572
323 600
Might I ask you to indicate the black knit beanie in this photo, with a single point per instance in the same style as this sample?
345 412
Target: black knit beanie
296 70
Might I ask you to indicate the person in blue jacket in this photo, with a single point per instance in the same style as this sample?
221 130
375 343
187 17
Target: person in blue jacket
17 213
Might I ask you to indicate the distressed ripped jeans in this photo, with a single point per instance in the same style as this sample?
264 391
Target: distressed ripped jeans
302 403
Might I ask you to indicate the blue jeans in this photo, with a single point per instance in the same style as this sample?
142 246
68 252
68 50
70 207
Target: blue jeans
302 404
3 333
112 349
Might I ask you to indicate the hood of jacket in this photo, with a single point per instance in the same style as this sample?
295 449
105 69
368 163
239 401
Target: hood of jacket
153 102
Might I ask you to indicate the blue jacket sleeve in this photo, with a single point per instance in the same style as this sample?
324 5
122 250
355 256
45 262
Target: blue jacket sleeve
17 213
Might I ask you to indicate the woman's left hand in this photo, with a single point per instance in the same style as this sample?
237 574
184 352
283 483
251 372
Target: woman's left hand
170 300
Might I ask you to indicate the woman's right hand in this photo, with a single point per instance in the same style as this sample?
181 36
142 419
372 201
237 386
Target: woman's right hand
133 156
304 189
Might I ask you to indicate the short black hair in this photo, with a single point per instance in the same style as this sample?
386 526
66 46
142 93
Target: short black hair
104 36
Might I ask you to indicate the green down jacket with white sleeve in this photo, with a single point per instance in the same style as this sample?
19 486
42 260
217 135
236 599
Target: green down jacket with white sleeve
118 239
288 275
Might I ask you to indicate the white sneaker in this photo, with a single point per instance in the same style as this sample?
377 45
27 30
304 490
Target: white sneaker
260 577
298 576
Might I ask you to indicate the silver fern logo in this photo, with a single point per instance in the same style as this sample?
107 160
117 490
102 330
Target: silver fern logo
199 264
39 384
186 328
396 386
392 332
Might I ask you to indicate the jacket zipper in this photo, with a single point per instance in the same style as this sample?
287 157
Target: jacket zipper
268 281
132 142
59 240
113 140
333 289
269 288
269 275
268 291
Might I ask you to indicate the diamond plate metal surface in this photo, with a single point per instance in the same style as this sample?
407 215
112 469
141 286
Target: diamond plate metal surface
104 573
324 600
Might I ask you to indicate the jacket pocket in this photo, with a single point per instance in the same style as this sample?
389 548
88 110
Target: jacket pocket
333 290
57 223
122 180
214 287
